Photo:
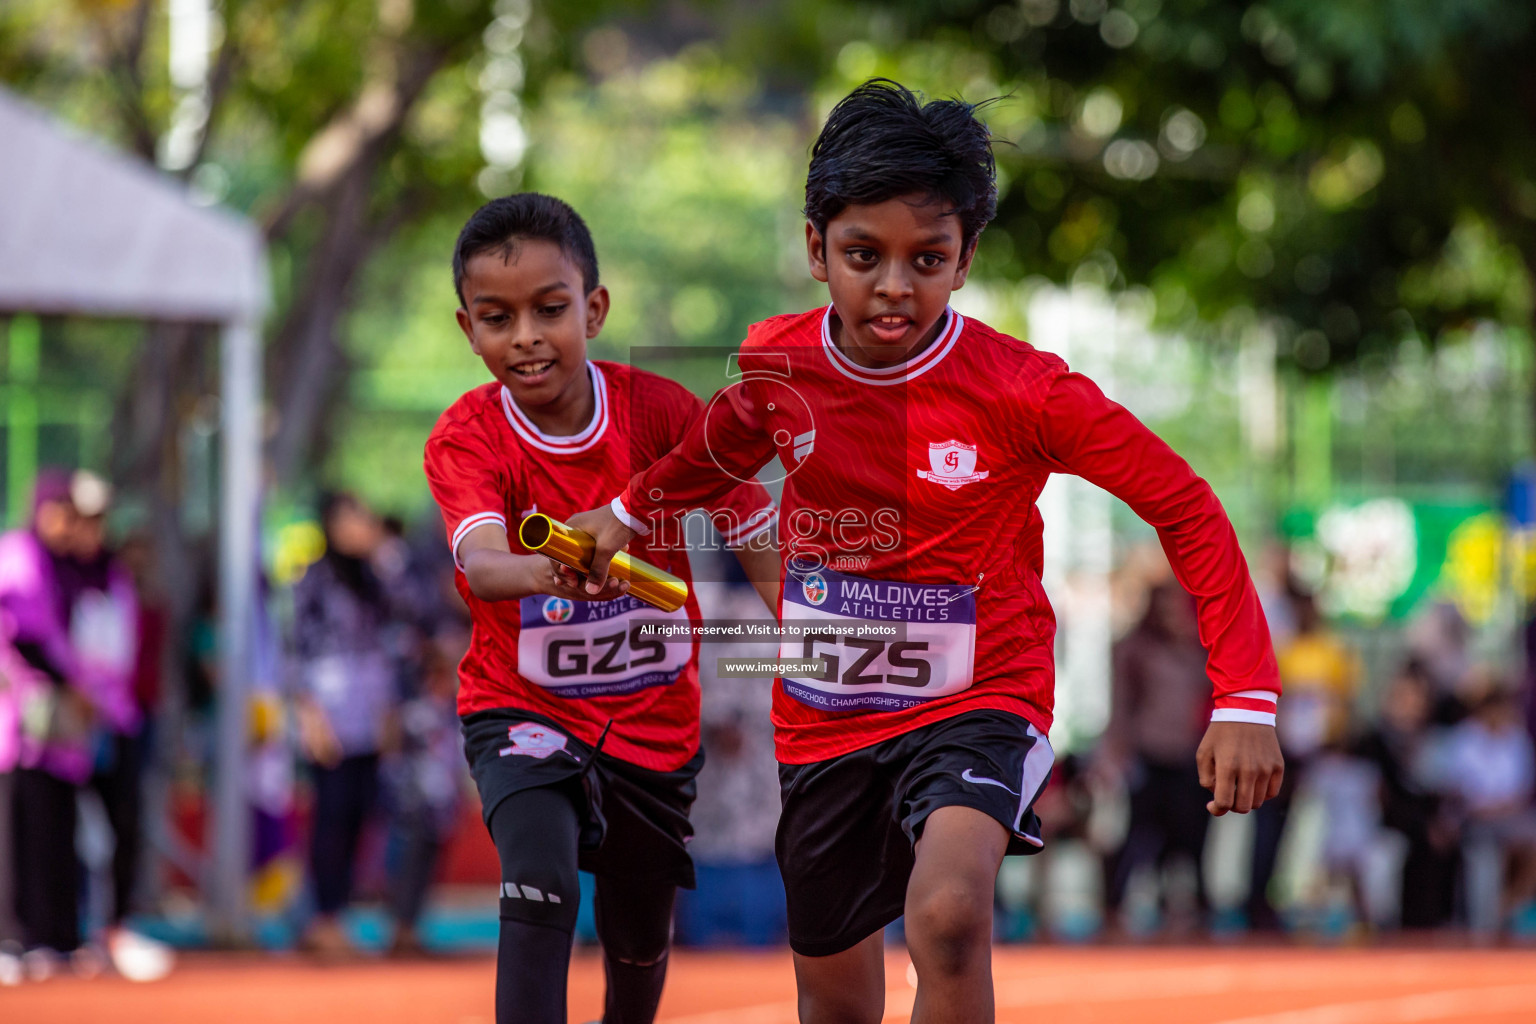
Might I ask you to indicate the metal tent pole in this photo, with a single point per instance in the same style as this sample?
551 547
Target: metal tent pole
230 819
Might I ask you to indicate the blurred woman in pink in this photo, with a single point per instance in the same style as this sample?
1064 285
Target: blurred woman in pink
19 682
56 717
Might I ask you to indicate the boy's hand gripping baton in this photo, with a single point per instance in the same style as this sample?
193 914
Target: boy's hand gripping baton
574 548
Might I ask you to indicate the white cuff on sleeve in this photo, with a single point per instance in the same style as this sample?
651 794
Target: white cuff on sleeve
617 505
469 523
1243 715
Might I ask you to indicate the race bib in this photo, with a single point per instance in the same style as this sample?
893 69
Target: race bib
887 645
596 648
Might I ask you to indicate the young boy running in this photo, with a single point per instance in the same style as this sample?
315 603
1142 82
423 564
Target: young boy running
583 737
916 443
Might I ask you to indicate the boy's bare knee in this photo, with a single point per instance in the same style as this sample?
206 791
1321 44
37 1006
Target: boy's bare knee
949 929
846 988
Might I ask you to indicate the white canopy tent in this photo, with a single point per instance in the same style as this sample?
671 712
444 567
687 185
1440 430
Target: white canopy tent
87 231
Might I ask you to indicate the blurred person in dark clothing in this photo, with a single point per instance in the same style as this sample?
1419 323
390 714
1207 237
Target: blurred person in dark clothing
1158 714
1439 640
105 631
1490 770
345 685
1320 674
1399 746
424 771
424 776
1529 639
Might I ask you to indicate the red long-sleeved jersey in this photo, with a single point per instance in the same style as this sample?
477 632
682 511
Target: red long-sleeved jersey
580 663
911 498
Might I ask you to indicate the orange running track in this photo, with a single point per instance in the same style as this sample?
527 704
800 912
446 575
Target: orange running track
1037 985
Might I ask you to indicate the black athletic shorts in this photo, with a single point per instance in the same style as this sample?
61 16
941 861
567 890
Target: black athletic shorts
846 835
634 822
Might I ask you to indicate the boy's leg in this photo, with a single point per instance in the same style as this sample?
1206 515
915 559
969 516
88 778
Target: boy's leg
949 915
639 865
535 832
634 924
845 861
844 988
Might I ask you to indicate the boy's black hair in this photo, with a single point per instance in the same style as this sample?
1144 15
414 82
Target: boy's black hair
882 141
498 225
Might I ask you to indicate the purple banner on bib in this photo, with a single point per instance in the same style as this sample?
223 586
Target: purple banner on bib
853 597
539 610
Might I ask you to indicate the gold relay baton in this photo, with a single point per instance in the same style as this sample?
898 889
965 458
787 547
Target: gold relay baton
574 548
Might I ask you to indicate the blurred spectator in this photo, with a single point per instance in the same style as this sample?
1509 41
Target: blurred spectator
1158 714
1272 579
1044 889
1490 770
1320 674
104 629
424 782
424 771
345 686
152 635
53 754
1439 638
17 681
1348 787
1399 746
1528 638
740 896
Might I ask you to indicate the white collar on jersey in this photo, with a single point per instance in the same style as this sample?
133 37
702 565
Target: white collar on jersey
580 441
901 372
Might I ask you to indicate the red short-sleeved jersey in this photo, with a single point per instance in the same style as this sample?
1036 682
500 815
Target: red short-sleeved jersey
912 490
579 663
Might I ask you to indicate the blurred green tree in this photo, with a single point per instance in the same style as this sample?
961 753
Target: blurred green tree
334 123
690 188
1364 170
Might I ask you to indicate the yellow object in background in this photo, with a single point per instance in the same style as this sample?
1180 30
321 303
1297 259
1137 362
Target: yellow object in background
1474 560
298 546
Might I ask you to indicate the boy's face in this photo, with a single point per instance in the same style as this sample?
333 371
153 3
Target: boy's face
890 268
526 316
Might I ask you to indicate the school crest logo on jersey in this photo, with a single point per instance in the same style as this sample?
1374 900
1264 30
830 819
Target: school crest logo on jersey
815 588
952 464
531 739
558 609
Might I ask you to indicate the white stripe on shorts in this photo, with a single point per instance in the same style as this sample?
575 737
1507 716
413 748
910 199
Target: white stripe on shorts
1037 769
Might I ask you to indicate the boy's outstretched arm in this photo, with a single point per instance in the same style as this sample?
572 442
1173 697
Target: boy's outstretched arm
494 573
1080 431
721 450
